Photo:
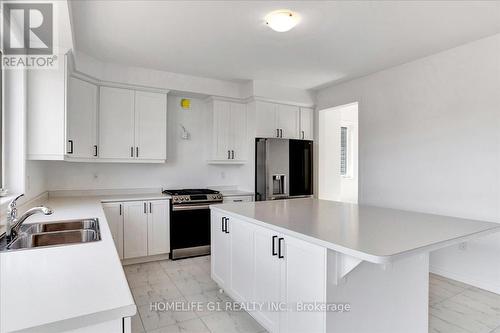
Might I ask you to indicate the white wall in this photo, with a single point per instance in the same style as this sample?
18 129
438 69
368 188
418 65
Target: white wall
186 161
429 140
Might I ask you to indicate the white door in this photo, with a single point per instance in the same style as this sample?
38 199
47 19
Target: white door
242 273
81 119
222 130
304 280
158 227
220 254
288 121
150 125
114 216
238 130
267 276
135 229
265 120
306 124
116 123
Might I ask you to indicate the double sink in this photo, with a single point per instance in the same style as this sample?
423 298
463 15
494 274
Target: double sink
56 233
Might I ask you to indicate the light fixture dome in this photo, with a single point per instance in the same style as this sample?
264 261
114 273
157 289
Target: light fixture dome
282 20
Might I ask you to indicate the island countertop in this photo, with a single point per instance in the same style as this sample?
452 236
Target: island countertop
374 234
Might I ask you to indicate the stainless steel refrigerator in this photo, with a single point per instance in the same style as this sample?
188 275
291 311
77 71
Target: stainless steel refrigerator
283 168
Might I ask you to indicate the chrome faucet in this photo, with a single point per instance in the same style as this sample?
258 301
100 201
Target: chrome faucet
14 223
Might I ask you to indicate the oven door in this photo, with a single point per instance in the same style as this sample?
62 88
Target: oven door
189 230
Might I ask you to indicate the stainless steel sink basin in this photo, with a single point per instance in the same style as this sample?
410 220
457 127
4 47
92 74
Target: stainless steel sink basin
56 233
37 228
28 241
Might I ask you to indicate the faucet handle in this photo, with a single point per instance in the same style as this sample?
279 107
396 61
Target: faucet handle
13 203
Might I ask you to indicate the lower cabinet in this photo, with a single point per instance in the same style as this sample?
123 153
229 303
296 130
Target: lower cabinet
256 264
139 228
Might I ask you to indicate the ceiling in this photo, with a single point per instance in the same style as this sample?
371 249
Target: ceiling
335 40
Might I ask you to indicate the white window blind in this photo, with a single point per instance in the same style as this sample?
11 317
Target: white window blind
343 151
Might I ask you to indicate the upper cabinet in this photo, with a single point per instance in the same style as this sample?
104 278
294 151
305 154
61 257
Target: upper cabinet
227 137
81 122
132 125
284 121
306 124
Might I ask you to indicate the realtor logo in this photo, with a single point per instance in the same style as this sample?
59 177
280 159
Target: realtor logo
27 29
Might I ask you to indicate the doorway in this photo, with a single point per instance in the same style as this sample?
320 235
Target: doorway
338 153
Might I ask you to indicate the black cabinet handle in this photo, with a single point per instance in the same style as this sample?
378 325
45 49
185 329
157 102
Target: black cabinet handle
120 209
277 132
228 154
70 147
232 154
136 151
279 248
95 150
131 151
303 136
150 208
145 209
227 230
281 133
274 245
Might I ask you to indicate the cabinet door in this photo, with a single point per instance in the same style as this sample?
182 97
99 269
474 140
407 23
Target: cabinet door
220 254
267 276
116 123
81 119
288 121
135 229
265 120
238 131
114 216
306 124
303 280
222 130
158 227
150 125
242 274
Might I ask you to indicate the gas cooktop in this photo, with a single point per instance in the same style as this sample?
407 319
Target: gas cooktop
190 191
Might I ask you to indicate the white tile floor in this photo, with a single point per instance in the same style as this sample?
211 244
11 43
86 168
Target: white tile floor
454 307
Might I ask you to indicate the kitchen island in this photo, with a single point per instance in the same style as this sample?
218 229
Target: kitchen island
307 265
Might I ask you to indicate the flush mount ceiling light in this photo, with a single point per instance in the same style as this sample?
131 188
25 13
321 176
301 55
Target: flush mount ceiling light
282 20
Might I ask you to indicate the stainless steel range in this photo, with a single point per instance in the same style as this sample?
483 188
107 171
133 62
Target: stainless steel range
190 221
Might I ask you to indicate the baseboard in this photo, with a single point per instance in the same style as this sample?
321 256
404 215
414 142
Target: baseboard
141 260
492 286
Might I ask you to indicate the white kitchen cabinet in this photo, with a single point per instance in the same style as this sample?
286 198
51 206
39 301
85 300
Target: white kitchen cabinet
256 264
306 124
150 125
276 120
288 121
303 281
114 216
267 276
241 235
116 123
158 227
239 198
265 120
227 135
146 228
220 250
81 122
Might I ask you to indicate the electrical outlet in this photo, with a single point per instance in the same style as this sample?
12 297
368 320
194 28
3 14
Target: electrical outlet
462 246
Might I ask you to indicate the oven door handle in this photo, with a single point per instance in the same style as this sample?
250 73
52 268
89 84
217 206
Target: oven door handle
190 207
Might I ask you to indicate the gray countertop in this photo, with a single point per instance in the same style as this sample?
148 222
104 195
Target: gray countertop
375 234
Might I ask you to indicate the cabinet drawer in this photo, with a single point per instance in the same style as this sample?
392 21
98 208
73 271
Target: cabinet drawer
242 198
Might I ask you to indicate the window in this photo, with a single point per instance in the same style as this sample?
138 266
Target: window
343 150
